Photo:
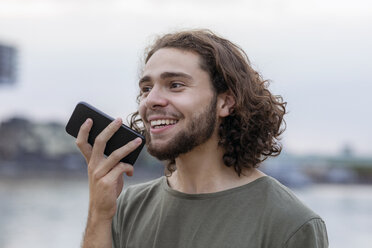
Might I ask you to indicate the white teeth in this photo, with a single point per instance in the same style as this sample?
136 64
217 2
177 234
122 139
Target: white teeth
162 122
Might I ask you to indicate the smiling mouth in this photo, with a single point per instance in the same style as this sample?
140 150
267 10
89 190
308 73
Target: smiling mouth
162 123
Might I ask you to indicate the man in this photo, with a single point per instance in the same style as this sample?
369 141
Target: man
210 116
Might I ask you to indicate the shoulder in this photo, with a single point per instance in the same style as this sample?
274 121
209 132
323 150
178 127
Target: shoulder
139 192
131 201
143 187
284 202
290 218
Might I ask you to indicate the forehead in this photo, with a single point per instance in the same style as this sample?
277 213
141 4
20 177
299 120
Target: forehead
173 59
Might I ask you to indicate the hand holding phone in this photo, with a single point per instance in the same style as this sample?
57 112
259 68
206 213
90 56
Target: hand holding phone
83 111
98 135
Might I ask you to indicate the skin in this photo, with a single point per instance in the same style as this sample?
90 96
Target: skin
173 86
173 89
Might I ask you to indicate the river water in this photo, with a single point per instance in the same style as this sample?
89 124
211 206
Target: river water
51 212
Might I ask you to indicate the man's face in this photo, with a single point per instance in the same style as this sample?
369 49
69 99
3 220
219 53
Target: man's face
177 105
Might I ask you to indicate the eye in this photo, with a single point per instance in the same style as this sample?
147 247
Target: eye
176 84
145 89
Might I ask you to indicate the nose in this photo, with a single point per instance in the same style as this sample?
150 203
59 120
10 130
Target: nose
156 98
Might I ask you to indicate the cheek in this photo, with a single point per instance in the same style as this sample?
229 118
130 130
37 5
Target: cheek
142 110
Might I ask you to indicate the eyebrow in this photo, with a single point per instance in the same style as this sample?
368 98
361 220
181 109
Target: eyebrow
166 75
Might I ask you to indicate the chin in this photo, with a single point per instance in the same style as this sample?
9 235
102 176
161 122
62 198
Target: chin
158 146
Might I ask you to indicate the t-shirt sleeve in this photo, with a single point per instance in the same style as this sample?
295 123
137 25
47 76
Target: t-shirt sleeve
313 234
114 230
115 226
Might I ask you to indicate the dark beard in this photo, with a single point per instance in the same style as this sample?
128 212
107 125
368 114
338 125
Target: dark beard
199 131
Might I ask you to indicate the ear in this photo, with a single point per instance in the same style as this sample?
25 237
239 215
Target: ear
225 104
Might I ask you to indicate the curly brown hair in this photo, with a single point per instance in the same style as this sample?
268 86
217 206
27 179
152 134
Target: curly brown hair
250 134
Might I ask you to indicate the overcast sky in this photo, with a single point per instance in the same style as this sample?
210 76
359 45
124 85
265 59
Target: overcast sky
316 53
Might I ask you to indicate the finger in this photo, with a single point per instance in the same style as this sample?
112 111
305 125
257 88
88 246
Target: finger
118 155
118 171
117 176
101 140
82 139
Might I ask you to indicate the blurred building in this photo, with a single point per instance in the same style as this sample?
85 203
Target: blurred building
34 148
29 148
19 136
7 64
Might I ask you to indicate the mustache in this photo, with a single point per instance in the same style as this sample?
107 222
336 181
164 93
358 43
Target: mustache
164 112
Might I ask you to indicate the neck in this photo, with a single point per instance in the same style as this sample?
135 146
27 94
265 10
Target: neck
202 171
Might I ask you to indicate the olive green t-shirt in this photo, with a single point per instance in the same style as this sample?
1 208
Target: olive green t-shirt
261 214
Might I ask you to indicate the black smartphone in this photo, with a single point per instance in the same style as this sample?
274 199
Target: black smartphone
125 134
